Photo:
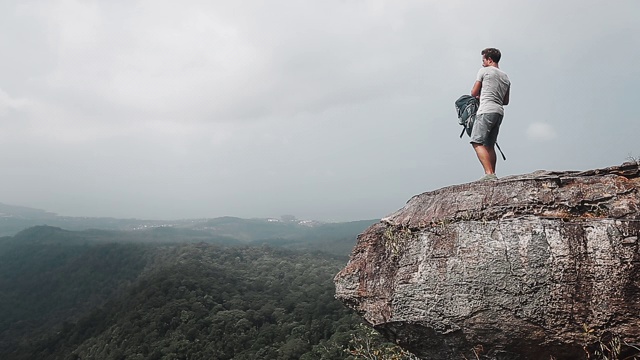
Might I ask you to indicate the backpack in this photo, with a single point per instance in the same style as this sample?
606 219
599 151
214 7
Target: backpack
467 107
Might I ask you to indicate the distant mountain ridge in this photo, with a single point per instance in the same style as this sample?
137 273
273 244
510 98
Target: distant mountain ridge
227 229
22 211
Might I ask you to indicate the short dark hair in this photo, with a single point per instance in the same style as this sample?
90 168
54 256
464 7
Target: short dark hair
492 53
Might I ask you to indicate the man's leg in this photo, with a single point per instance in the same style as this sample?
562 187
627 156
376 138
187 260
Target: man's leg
485 131
487 157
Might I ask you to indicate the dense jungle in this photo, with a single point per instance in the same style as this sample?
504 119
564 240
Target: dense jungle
176 293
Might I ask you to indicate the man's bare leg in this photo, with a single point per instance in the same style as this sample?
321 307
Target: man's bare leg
487 157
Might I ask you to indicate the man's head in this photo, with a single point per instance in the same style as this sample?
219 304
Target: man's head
490 55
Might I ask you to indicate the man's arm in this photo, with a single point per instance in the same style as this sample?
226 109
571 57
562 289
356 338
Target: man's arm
505 101
475 91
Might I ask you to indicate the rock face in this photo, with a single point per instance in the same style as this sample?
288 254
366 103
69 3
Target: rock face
526 267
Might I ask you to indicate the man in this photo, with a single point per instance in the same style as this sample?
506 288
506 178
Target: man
492 87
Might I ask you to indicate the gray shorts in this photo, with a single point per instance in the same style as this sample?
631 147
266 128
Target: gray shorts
485 129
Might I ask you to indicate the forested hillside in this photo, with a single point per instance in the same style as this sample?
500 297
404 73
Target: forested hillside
102 295
50 275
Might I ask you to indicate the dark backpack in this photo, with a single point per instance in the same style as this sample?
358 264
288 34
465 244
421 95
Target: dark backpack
467 107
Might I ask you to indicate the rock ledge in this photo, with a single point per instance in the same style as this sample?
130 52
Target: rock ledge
526 267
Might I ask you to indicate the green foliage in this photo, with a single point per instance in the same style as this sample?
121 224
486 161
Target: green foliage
134 295
47 279
190 301
367 343
608 346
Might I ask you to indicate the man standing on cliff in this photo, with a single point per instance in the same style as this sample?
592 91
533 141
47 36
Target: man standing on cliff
492 87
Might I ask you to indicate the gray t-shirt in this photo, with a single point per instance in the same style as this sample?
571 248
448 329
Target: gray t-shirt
495 84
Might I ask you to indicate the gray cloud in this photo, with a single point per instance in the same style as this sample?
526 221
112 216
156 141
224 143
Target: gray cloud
329 110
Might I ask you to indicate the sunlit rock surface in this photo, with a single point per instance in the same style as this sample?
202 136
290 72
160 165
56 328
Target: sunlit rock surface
526 267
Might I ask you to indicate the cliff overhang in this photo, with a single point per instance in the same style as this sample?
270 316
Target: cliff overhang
529 267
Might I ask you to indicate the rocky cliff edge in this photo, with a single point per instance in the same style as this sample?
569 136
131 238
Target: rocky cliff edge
537 266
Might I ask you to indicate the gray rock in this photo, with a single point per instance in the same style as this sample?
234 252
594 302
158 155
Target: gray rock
526 267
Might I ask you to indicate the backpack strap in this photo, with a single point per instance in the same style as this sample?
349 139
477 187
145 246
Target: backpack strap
501 153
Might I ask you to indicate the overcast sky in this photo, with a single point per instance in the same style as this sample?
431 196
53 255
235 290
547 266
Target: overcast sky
330 110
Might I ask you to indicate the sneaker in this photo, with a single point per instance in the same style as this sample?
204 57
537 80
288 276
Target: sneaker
488 177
